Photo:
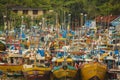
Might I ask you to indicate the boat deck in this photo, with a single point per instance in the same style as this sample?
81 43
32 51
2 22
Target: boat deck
115 71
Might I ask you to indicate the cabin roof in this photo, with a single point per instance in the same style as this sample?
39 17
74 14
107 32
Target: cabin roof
106 19
24 8
62 59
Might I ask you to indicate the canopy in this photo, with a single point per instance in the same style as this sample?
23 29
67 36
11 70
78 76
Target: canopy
15 55
78 52
116 21
62 59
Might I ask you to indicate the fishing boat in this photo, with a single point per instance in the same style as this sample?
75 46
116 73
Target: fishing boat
64 69
36 70
8 62
93 71
11 69
112 67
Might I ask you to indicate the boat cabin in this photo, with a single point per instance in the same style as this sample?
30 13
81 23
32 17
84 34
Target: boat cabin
63 61
110 61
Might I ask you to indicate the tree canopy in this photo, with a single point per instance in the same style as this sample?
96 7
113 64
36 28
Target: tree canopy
100 7
90 7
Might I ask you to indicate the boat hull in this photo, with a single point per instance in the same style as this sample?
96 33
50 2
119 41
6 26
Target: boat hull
93 71
7 67
37 73
61 73
11 70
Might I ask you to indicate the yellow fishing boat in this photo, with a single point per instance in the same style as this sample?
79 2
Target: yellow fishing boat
64 69
11 67
8 67
36 71
11 70
93 71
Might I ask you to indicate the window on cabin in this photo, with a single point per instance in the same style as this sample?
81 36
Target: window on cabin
31 61
59 64
42 61
25 11
35 12
69 63
103 45
110 46
15 11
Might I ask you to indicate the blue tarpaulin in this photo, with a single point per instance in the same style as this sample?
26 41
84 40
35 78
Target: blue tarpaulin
88 23
22 35
102 51
12 47
64 33
116 52
61 54
72 32
41 52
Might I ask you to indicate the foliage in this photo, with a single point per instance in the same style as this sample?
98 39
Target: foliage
63 7
67 5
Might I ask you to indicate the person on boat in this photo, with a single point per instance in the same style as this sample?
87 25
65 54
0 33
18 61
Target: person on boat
80 64
0 59
95 60
47 63
52 48
76 65
1 73
20 61
42 38
14 61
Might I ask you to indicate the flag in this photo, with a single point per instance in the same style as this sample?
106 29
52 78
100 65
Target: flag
68 27
60 35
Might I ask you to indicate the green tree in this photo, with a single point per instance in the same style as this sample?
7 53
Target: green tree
75 7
